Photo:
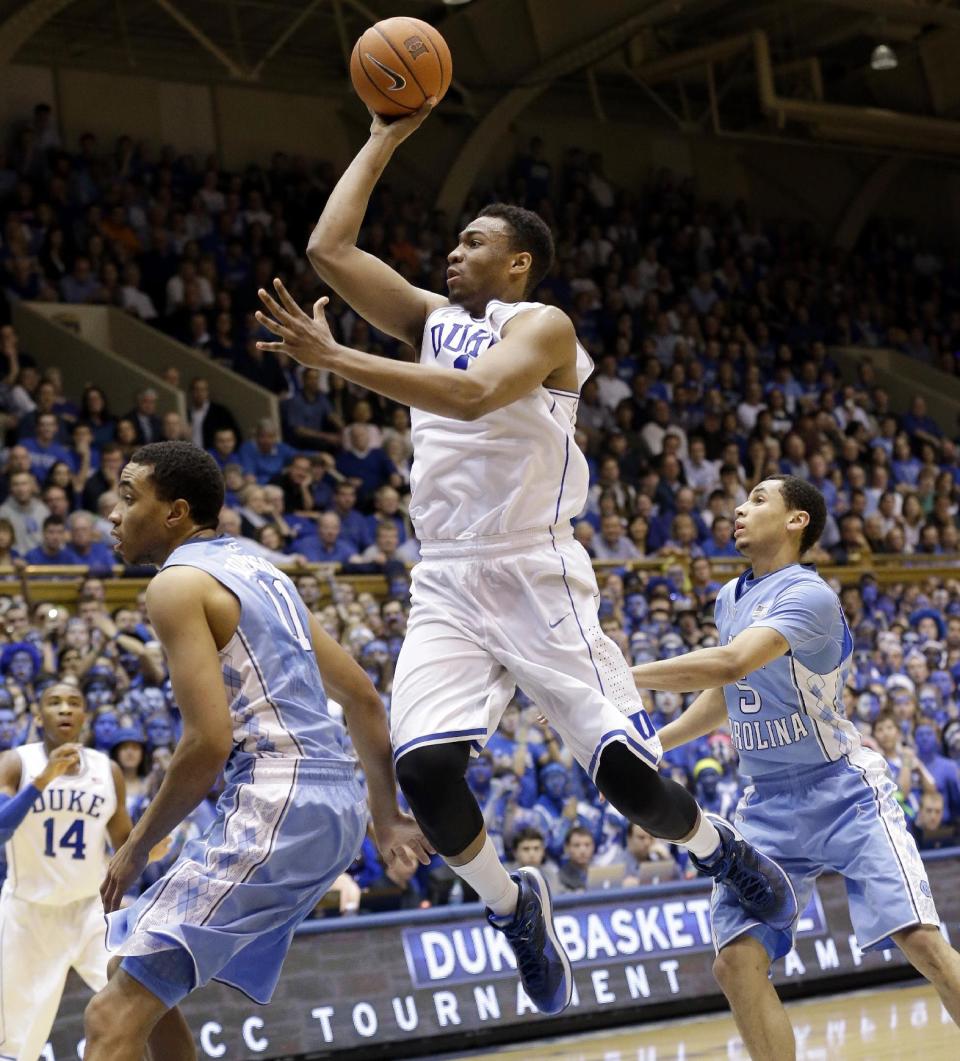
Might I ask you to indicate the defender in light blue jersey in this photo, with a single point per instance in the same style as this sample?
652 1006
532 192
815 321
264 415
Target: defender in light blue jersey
819 799
250 669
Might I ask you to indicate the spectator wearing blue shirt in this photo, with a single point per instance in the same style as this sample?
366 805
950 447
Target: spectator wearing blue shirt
368 466
327 546
224 448
80 285
53 546
97 556
905 466
919 424
720 542
308 418
944 771
514 747
353 524
386 506
555 808
264 456
44 449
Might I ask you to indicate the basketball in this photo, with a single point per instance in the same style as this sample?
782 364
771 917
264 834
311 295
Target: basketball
399 63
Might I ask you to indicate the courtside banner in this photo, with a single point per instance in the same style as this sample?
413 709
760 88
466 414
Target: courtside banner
399 984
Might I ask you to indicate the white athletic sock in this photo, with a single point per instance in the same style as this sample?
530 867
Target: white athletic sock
705 840
490 880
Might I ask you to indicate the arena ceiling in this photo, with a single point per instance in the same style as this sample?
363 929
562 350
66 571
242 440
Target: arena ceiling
694 64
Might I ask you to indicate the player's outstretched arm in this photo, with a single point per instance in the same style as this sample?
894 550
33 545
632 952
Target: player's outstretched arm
708 668
176 605
540 343
398 835
370 286
707 713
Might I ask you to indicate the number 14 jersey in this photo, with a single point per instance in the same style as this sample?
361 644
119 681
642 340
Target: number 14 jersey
58 853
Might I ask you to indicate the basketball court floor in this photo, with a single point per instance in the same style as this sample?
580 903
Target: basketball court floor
888 1024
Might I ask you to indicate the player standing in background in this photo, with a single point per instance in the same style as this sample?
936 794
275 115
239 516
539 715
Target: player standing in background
60 804
502 594
819 799
250 669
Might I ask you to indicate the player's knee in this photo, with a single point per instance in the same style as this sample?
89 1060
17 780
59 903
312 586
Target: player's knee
99 1017
736 966
664 808
424 773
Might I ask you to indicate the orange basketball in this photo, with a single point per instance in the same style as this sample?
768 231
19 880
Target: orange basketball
399 63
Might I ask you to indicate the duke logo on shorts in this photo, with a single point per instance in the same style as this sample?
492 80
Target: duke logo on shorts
503 594
290 820
819 799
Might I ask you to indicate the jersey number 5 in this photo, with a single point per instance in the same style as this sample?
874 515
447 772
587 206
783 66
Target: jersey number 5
749 699
72 839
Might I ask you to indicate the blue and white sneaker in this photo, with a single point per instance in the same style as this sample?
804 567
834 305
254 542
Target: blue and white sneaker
760 884
542 962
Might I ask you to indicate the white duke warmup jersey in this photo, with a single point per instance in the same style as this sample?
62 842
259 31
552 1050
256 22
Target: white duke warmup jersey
515 469
58 853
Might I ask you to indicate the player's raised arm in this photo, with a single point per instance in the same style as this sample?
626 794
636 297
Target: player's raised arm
703 716
175 602
398 835
538 343
370 286
708 668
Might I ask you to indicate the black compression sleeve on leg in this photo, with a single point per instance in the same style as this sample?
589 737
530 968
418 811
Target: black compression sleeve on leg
433 779
661 806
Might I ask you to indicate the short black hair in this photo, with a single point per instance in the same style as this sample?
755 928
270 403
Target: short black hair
801 496
54 521
183 470
530 233
528 832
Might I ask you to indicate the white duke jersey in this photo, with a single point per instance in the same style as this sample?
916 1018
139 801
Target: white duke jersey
58 853
515 469
277 702
789 714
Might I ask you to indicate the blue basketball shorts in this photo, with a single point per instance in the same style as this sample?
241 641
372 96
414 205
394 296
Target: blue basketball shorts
843 817
227 908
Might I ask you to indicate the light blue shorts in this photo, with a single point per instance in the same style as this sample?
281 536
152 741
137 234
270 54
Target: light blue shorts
842 817
233 898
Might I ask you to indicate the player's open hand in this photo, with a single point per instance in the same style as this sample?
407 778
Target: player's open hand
396 130
62 760
306 339
400 840
125 866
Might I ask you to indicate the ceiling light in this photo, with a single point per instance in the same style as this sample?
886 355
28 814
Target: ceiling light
883 58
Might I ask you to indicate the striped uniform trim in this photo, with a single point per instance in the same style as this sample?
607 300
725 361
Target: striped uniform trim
443 737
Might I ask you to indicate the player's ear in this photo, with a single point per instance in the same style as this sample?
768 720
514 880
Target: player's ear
179 511
521 263
798 520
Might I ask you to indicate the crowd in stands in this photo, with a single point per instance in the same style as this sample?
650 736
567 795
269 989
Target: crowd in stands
711 332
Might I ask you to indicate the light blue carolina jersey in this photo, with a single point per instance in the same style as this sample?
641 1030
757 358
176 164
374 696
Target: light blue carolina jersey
274 691
789 713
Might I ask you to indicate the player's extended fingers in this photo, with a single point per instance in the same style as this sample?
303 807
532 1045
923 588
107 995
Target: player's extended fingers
274 307
319 308
275 326
277 348
287 299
